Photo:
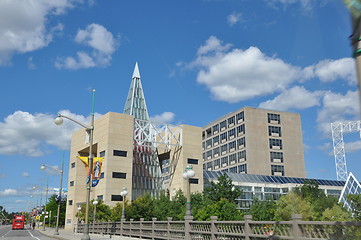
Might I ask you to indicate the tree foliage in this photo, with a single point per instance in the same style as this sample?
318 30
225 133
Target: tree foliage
222 189
354 200
263 210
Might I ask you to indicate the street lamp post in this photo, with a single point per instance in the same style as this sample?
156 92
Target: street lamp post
43 167
188 173
90 130
123 193
95 202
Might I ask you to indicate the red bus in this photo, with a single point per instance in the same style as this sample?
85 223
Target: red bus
18 222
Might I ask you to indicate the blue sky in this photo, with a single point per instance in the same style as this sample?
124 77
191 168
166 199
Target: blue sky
216 55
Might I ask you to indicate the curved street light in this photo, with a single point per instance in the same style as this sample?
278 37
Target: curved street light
188 173
90 130
43 167
123 193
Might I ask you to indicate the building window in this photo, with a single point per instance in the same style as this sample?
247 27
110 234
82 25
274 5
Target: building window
192 161
232 159
119 153
216 164
209 132
102 154
274 118
71 183
100 197
240 117
203 145
116 198
230 121
70 202
241 130
241 156
223 125
224 161
216 140
216 152
274 131
193 180
277 170
209 154
232 133
224 149
276 157
215 128
233 170
119 175
232 146
209 143
242 168
241 143
223 137
73 165
275 143
209 166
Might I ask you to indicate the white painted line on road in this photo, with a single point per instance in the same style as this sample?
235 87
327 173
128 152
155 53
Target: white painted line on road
33 235
5 234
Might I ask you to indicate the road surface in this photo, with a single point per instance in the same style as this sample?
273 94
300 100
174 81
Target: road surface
6 233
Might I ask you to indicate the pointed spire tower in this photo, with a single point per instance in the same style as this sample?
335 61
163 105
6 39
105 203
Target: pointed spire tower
135 104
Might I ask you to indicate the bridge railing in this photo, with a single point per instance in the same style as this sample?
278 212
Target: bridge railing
229 230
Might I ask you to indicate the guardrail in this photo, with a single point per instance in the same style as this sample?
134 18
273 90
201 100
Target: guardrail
229 230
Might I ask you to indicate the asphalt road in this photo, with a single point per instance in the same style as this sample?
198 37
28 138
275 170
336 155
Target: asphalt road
6 233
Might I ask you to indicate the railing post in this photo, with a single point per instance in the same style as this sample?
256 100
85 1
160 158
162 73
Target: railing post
153 228
247 227
141 227
130 227
187 227
296 228
214 229
169 219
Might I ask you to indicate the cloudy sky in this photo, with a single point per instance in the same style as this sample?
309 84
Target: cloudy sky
216 55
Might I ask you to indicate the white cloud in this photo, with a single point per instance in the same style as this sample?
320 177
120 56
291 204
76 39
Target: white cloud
23 133
352 146
293 98
234 75
337 107
8 192
23 25
102 43
234 18
305 4
239 75
26 174
164 118
330 70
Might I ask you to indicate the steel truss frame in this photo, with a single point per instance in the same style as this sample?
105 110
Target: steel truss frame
338 129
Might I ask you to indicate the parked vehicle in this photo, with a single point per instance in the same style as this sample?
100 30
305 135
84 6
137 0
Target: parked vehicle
18 222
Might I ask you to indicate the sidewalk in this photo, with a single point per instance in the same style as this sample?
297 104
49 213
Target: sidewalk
69 235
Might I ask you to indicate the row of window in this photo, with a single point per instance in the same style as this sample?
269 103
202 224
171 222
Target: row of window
225 161
228 123
120 175
225 148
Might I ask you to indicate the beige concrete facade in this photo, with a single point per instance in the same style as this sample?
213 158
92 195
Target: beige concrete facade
113 140
255 141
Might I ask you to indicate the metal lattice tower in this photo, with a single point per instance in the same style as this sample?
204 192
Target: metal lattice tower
338 129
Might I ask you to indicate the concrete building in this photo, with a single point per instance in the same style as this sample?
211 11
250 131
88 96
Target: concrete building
255 141
139 155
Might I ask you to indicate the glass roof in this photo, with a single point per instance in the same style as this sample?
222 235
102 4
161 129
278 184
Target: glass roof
253 178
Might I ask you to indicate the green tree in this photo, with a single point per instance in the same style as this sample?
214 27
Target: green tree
336 213
354 200
52 207
222 189
223 209
263 210
142 207
292 203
